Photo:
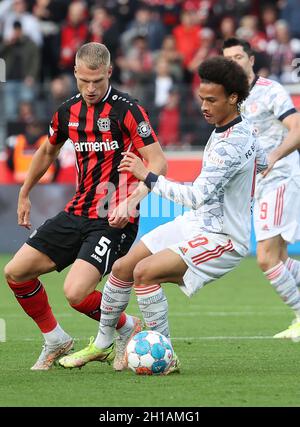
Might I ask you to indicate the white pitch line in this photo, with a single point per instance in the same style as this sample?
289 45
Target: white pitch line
212 338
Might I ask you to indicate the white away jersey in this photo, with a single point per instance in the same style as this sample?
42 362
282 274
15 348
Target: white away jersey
266 106
221 196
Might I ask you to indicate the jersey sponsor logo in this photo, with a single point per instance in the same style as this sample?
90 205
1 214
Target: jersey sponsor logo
103 124
73 124
144 129
106 145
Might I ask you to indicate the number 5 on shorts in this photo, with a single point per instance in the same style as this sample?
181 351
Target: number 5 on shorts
102 246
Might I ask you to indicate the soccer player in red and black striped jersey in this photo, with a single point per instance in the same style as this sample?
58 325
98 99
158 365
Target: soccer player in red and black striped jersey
91 232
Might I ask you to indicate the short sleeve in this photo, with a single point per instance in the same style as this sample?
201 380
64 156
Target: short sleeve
138 126
280 102
55 133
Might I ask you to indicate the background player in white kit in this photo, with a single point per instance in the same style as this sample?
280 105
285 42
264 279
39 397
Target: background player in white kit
203 244
276 123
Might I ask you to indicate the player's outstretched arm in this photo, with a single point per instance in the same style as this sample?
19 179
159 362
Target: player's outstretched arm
192 196
41 161
187 195
289 144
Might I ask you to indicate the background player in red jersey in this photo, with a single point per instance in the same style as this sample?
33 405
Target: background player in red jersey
102 123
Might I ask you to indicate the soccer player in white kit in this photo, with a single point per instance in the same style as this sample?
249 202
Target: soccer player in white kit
277 197
204 243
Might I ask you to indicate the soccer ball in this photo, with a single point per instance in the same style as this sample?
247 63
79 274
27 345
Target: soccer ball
148 353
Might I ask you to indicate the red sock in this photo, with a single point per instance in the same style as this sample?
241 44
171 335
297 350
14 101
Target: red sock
90 306
33 299
121 321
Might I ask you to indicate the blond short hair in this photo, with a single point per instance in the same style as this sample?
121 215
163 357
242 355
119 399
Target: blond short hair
93 55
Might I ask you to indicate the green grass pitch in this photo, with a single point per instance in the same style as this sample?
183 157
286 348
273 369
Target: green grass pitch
222 336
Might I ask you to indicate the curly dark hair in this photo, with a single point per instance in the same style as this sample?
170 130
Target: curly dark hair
227 73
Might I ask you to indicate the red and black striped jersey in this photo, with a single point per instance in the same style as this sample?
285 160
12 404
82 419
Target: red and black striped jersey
100 134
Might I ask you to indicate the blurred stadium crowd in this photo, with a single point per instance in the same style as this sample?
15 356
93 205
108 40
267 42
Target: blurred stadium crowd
156 49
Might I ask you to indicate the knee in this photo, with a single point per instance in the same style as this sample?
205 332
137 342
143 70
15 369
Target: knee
73 296
140 273
73 299
121 271
7 272
266 260
12 274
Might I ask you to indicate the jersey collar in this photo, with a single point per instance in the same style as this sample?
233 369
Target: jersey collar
106 95
221 129
256 77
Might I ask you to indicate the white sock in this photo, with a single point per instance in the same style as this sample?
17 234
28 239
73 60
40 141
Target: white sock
294 268
284 284
127 327
154 307
115 298
56 336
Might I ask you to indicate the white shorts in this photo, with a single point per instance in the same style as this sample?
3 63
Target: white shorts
278 213
208 256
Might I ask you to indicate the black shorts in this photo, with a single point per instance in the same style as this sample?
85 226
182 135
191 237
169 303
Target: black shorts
66 237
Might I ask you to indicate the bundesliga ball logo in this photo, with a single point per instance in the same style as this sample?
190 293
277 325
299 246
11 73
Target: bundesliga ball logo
148 353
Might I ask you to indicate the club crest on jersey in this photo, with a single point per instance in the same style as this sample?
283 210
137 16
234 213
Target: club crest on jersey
144 129
103 124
